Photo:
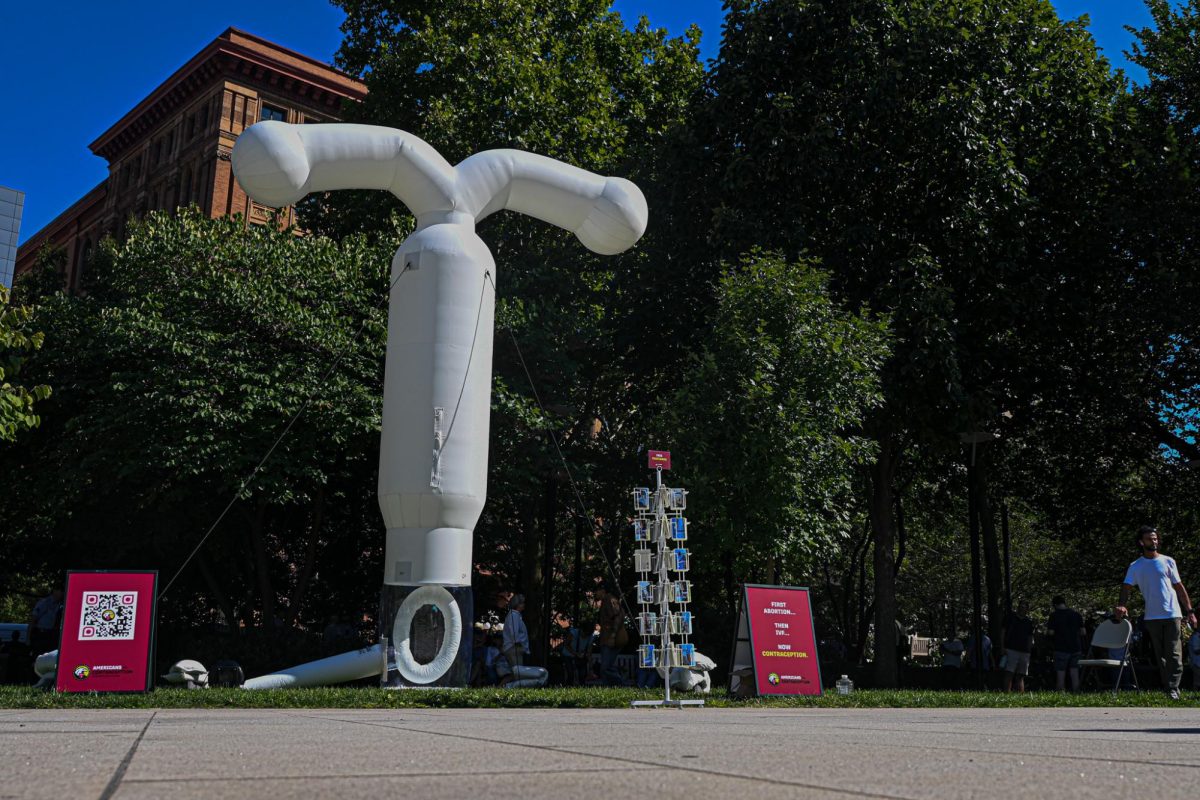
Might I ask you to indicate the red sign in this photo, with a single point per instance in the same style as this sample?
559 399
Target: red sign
108 632
782 642
660 459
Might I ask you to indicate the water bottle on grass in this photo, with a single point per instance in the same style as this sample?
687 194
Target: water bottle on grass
845 685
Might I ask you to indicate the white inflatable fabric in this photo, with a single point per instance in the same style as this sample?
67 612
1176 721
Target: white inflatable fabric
188 673
45 667
688 680
351 666
46 664
441 663
697 678
437 384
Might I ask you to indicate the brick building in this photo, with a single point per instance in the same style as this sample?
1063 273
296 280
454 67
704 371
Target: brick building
173 148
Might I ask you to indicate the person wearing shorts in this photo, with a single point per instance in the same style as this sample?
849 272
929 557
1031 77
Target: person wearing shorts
1018 643
1066 626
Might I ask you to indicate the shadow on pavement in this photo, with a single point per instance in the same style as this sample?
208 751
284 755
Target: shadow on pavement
1185 731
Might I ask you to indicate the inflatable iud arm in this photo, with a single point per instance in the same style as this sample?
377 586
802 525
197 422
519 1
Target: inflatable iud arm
277 164
607 214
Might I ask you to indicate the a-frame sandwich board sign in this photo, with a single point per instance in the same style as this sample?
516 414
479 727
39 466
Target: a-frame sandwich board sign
775 644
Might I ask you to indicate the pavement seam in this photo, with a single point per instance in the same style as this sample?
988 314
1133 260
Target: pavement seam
58 733
114 782
367 775
622 760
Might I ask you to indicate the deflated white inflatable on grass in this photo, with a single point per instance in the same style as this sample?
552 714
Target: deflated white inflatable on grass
437 384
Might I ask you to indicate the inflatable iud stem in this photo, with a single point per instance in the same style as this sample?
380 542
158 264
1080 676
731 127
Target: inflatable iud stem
433 450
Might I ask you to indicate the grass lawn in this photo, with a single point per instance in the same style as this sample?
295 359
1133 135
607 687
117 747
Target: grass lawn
567 697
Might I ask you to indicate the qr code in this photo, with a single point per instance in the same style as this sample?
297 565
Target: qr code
108 615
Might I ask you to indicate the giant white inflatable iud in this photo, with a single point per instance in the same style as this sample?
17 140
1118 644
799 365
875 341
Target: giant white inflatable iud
437 387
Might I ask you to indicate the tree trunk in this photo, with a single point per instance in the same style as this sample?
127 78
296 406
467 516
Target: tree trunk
991 554
531 574
883 526
262 564
218 595
577 574
864 609
300 589
732 587
541 647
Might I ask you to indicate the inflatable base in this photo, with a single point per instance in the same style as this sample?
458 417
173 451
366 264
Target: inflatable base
428 631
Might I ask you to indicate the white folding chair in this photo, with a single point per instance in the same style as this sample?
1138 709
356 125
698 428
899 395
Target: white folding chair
1112 635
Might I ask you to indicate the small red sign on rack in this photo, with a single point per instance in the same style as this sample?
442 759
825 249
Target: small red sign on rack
660 459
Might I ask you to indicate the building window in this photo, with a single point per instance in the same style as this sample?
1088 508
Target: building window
267 112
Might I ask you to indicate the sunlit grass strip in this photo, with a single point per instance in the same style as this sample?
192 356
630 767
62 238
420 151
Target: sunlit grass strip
570 697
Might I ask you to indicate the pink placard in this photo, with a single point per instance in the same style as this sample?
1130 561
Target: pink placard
108 632
782 639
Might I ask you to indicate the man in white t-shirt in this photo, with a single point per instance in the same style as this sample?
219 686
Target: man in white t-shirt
1167 602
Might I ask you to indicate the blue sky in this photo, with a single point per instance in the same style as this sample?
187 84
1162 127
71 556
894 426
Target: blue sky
72 69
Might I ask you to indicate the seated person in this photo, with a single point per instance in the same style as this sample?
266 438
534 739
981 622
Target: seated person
521 676
574 651
952 653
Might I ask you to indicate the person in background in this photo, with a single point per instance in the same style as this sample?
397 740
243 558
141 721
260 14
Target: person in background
44 622
501 600
522 677
1066 628
575 649
478 654
15 660
1194 657
1167 604
516 636
491 654
952 652
611 621
969 652
1018 644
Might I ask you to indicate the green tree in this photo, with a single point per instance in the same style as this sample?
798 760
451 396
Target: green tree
947 163
196 345
767 419
17 344
1163 211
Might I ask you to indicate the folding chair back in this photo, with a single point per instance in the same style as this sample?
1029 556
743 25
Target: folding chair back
1112 635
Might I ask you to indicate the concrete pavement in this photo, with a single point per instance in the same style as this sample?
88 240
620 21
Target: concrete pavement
530 754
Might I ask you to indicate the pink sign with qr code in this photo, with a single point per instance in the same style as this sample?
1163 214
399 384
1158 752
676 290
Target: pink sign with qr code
108 632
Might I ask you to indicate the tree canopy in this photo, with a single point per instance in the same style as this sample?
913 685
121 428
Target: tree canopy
195 346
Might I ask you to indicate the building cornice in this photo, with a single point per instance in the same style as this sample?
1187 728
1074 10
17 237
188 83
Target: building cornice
233 54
